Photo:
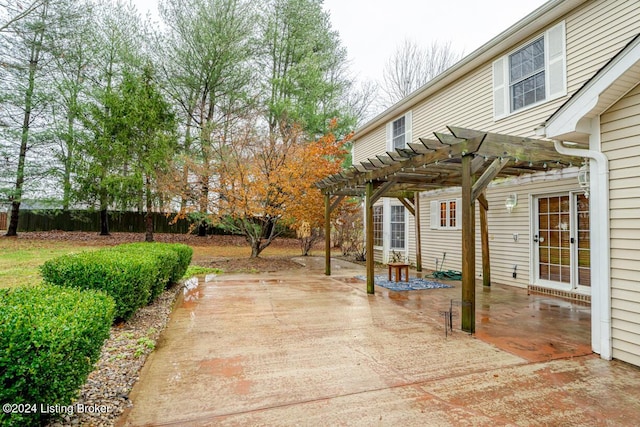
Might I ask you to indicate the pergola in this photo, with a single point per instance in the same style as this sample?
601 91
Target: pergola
465 158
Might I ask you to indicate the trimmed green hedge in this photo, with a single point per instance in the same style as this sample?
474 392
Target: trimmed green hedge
127 279
50 338
184 254
133 274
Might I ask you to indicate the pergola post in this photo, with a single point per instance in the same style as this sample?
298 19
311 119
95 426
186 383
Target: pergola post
416 207
368 203
468 249
327 234
484 238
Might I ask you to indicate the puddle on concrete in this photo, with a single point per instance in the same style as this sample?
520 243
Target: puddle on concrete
191 292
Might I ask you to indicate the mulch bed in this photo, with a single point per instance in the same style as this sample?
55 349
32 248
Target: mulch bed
121 359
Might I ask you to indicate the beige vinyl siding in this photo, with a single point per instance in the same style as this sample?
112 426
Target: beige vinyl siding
374 143
595 32
377 255
504 251
620 129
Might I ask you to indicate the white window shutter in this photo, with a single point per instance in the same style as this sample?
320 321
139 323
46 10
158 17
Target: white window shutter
407 128
458 214
556 61
390 137
435 215
500 88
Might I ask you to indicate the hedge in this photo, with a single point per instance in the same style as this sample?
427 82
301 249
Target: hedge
184 253
172 261
127 279
133 274
50 338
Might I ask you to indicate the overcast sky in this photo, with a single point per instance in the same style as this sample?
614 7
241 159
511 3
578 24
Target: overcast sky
372 29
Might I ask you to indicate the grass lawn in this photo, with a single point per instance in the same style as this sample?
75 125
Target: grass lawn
20 260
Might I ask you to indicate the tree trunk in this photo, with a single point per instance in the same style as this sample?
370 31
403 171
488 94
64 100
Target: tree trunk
66 185
70 141
255 249
202 229
149 218
16 197
12 230
104 222
148 237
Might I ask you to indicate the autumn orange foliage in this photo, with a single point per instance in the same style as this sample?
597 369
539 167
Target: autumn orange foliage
262 182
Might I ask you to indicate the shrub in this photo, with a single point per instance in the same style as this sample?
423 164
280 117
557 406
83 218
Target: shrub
185 253
178 265
127 277
134 274
50 338
165 261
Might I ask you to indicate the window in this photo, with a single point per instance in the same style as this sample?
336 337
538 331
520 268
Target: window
445 214
531 74
377 226
399 132
397 227
526 75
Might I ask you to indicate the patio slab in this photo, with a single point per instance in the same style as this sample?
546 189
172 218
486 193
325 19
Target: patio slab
300 348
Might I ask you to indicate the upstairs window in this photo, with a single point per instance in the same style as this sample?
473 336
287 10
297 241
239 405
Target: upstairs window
527 75
399 132
532 74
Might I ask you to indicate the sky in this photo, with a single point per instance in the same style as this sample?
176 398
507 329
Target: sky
371 30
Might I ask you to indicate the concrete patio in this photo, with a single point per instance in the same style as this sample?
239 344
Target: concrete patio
300 348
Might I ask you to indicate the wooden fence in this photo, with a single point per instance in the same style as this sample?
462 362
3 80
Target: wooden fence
45 220
3 221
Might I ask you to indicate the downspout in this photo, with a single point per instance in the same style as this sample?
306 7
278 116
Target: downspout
599 226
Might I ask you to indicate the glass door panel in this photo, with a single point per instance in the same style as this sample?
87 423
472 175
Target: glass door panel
554 242
583 241
562 241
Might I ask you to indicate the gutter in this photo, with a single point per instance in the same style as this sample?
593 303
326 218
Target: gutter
601 339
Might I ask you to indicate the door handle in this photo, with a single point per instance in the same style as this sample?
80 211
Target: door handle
535 239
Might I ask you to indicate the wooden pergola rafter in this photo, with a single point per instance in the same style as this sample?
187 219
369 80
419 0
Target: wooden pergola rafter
464 158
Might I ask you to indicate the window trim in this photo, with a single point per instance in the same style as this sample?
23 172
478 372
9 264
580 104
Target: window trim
379 208
555 69
404 228
511 83
408 131
436 214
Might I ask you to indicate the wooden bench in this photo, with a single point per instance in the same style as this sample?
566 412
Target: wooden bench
398 267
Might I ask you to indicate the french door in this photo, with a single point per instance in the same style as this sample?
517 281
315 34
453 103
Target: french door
561 242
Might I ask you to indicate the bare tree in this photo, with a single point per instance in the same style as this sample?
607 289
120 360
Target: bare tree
412 66
12 12
361 102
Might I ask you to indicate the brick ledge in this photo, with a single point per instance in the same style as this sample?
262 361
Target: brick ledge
572 296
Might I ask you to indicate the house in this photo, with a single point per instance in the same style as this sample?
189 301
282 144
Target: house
553 97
